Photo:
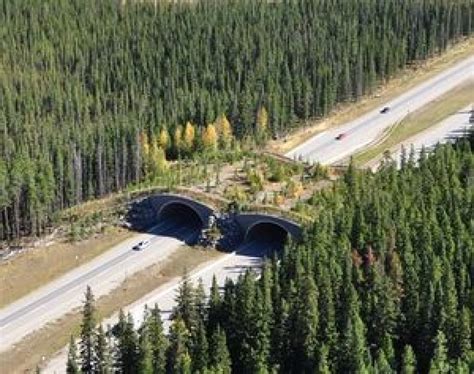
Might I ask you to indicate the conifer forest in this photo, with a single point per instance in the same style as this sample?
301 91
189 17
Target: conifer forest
89 89
113 99
382 283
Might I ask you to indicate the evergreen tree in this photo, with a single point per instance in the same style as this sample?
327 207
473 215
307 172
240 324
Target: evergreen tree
102 351
200 349
158 340
214 306
179 360
127 345
219 358
145 351
323 364
88 336
185 308
408 361
439 363
72 367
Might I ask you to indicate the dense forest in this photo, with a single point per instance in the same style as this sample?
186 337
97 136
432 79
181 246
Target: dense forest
381 283
94 92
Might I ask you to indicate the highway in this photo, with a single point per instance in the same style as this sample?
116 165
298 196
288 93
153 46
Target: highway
451 128
325 149
103 273
248 256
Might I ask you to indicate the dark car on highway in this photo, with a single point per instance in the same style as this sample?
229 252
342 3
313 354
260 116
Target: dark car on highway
141 245
341 136
385 110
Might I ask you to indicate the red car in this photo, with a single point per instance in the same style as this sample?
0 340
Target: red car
341 136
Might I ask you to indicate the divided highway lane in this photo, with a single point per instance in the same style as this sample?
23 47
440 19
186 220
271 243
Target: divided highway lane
325 149
451 128
248 256
104 273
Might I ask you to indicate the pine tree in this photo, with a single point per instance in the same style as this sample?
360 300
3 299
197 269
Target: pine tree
303 325
200 349
408 361
145 350
323 364
88 336
72 367
214 306
179 360
219 359
158 340
185 308
127 345
382 365
464 334
439 362
200 300
355 346
102 365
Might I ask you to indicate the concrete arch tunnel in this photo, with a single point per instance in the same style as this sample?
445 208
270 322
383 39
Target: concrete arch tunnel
266 227
182 210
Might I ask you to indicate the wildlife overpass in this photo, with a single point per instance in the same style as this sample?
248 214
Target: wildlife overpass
253 226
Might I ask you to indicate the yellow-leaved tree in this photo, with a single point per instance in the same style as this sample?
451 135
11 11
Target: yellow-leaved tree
144 144
262 122
145 151
164 139
189 135
178 138
157 162
224 131
209 137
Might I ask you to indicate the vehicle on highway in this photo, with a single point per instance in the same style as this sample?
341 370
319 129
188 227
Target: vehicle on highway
385 109
141 245
341 136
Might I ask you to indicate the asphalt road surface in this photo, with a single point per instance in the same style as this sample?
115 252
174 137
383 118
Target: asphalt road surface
104 273
453 127
326 149
248 256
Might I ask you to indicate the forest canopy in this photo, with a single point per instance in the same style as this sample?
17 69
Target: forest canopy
382 283
88 87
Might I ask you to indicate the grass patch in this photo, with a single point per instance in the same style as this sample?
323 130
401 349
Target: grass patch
420 120
49 262
404 80
29 353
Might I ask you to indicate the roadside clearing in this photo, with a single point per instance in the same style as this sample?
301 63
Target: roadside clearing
418 121
49 262
27 354
403 81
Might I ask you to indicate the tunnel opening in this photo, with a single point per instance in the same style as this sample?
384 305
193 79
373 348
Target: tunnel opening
268 234
180 221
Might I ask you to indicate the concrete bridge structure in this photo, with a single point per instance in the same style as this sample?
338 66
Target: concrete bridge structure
182 208
259 226
253 226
